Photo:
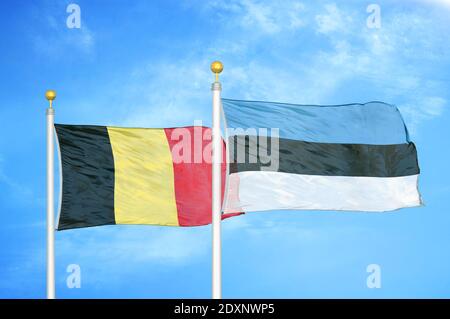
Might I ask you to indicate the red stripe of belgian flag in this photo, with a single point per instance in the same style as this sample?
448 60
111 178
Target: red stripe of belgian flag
193 176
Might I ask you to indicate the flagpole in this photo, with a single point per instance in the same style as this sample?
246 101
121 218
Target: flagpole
50 95
216 68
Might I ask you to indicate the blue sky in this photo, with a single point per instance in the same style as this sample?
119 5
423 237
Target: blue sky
146 63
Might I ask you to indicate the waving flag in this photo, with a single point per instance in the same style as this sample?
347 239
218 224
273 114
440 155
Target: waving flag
355 157
113 175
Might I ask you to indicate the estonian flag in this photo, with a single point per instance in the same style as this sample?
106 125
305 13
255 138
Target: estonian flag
354 157
113 175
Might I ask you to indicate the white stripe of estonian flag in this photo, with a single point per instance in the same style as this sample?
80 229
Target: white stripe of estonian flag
259 191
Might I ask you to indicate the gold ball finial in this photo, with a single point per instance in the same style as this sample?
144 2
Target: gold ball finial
50 95
216 68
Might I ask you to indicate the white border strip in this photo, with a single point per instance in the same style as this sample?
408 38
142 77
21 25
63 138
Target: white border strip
60 177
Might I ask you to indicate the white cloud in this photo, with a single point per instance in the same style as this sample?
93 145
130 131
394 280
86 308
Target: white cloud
422 108
262 228
272 17
444 3
333 20
390 61
134 244
435 105
168 94
393 60
19 192
266 17
58 39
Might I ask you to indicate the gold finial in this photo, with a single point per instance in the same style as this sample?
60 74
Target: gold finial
216 68
50 95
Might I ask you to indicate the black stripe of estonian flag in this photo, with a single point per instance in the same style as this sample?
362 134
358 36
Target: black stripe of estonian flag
308 158
88 176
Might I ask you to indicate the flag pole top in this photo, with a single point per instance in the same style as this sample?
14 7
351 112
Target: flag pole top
216 68
50 95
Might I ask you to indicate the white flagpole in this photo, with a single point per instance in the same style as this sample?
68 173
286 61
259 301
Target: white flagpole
216 67
50 95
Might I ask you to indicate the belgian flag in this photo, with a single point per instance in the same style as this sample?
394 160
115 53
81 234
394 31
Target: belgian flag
114 175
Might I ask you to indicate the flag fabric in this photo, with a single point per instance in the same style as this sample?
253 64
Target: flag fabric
113 175
353 157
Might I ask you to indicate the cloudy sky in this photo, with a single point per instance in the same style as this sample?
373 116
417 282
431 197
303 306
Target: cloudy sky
146 63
